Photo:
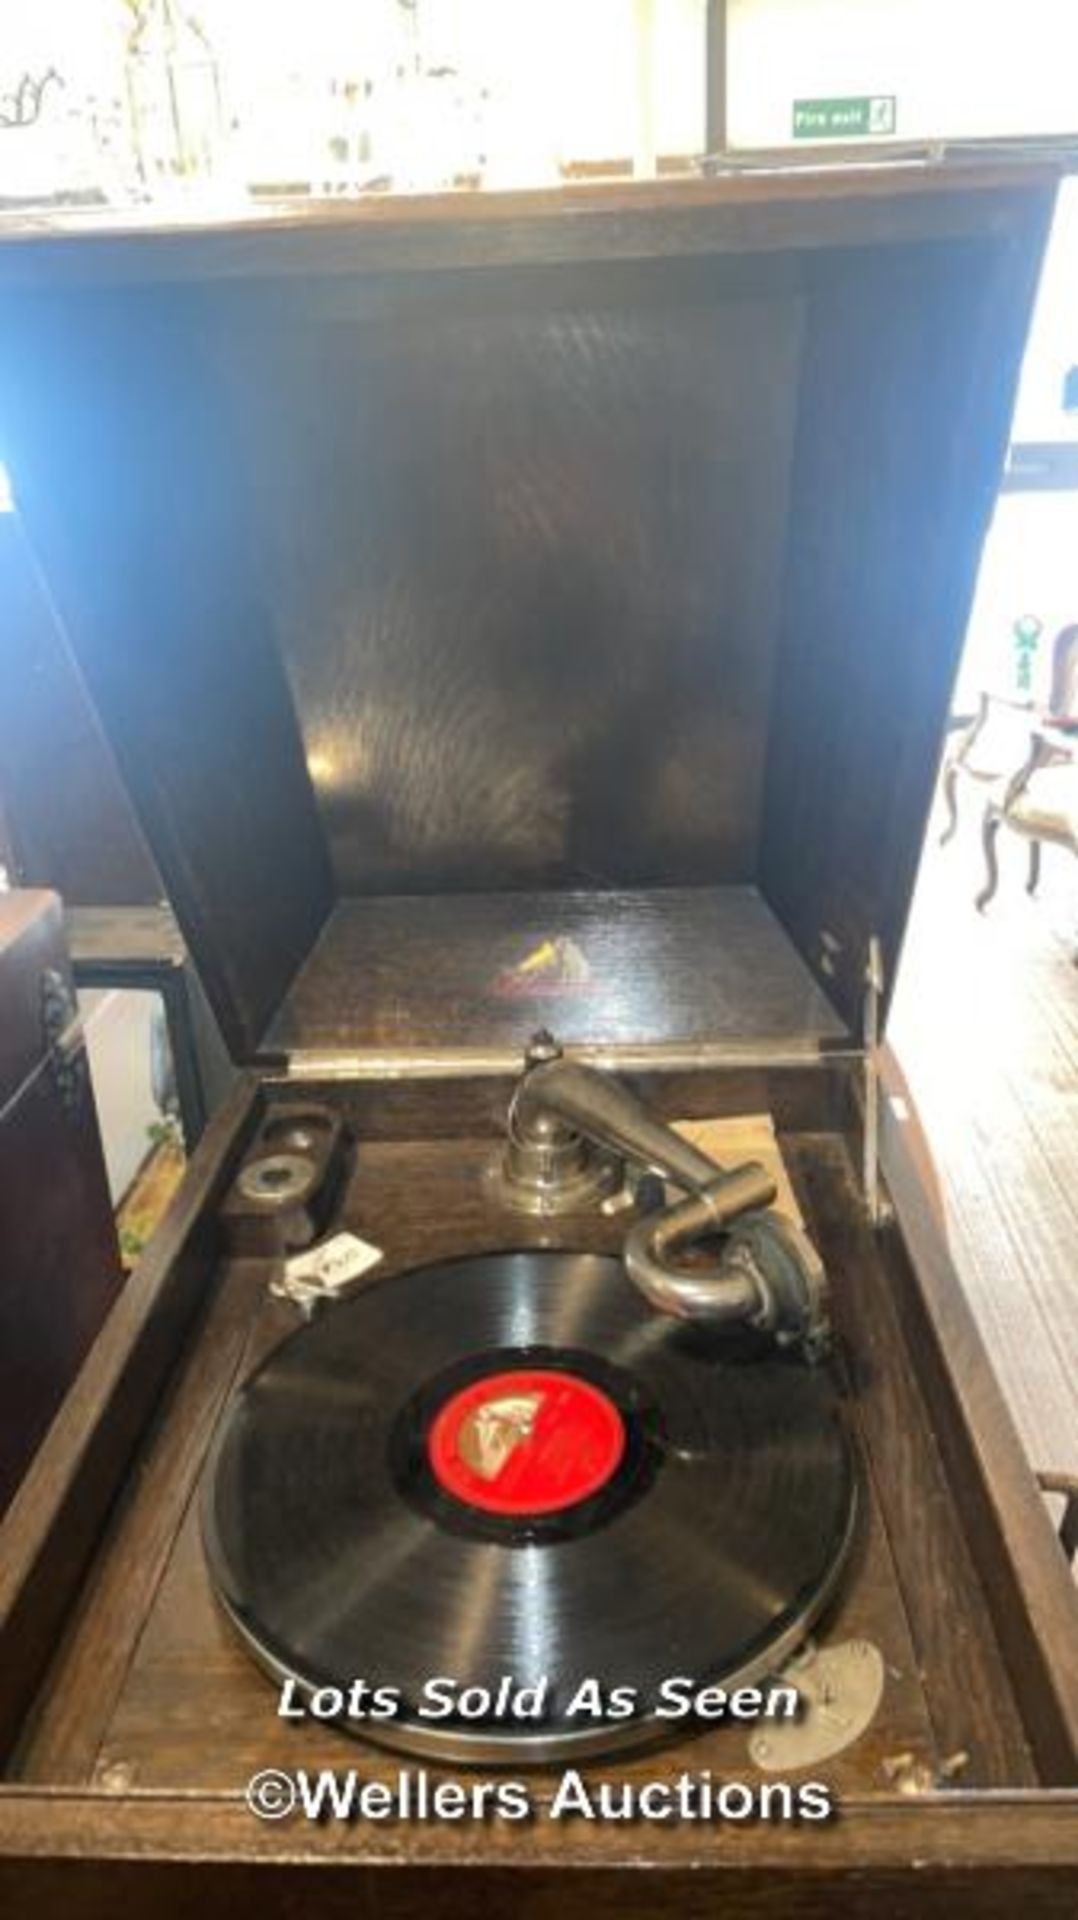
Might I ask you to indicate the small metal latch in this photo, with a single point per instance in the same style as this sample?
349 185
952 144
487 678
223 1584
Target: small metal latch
65 1045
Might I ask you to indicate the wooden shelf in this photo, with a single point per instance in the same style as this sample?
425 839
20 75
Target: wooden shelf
667 967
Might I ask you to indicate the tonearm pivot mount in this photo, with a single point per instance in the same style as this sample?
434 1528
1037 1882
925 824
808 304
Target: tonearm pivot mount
574 1134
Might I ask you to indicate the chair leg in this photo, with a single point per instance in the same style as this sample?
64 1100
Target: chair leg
950 798
1033 880
989 829
1067 1485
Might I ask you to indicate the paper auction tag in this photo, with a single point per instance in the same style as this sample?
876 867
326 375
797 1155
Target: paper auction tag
333 1265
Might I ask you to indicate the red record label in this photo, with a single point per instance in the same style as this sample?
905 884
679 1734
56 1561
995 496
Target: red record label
526 1442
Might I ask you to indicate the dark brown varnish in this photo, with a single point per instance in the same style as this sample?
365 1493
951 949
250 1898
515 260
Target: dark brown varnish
149 1694
595 543
453 576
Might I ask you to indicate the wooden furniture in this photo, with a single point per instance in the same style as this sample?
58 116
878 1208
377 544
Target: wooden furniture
141 948
59 1263
1065 1486
990 748
70 822
1039 803
465 587
1040 798
70 827
984 750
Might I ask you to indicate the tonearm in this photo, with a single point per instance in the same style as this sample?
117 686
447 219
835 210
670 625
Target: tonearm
574 1131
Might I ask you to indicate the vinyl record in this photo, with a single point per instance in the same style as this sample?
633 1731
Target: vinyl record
512 1465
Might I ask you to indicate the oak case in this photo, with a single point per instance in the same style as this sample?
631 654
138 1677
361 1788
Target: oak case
454 577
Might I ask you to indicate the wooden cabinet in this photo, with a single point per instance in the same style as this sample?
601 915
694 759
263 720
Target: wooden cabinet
59 1264
512 612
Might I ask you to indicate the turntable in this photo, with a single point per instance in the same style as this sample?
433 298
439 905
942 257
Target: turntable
526 628
635 1489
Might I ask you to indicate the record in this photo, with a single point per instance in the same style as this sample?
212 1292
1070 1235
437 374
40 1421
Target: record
512 1465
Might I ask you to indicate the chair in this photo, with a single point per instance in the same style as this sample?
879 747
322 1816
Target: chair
1065 1485
1040 800
989 747
985 751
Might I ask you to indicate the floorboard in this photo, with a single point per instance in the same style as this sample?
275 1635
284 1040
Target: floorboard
985 1029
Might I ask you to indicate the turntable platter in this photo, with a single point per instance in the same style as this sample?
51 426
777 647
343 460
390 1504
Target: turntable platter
512 1465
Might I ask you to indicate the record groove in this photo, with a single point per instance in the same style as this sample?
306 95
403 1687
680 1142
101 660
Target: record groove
711 1545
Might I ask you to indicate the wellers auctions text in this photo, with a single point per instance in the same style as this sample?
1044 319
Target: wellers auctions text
506 1700
417 1796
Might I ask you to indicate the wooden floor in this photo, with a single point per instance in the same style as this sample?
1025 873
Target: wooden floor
985 1028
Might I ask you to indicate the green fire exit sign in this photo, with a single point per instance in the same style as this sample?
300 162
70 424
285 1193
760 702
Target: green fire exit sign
858 116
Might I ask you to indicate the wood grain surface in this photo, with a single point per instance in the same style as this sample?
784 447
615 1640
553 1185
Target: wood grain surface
151 1706
985 1031
900 448
958 1651
638 555
878 206
70 822
59 1260
54 1523
746 560
124 937
667 965
154 1691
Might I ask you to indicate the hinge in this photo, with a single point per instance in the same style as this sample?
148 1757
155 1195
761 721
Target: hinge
65 1046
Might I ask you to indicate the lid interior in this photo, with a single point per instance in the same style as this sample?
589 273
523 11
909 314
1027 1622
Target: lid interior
563 638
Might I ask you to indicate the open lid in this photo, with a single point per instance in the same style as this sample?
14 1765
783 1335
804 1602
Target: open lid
534 608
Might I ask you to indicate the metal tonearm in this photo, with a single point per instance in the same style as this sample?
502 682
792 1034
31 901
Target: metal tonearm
574 1130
